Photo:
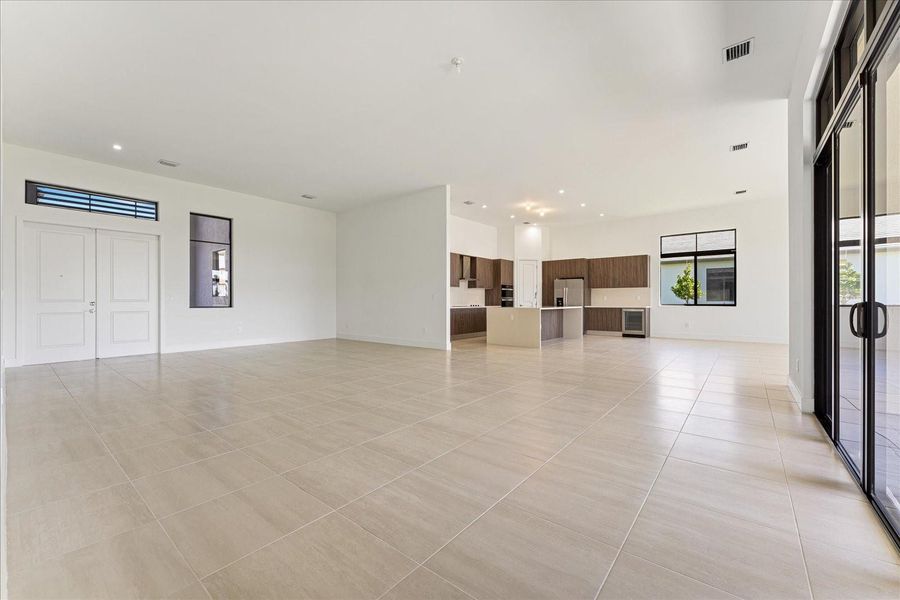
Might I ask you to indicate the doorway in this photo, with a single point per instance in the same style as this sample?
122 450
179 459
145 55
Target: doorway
88 293
857 273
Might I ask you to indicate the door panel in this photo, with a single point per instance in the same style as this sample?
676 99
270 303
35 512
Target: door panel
59 322
128 294
850 263
528 283
886 275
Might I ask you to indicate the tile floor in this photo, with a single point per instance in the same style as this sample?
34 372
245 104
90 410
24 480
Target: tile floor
608 468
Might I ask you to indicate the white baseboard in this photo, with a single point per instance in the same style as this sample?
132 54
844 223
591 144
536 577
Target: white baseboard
394 341
711 337
195 347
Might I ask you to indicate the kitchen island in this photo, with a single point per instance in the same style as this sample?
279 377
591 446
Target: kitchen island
529 327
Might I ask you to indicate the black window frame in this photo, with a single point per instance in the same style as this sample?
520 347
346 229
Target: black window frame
694 255
230 259
32 196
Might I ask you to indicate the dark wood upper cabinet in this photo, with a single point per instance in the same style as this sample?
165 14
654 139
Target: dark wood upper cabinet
506 271
455 269
551 270
620 271
484 273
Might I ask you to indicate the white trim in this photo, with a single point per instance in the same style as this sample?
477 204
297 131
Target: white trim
234 344
393 341
720 338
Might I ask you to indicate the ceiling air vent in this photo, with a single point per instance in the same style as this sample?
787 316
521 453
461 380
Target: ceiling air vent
308 196
168 163
737 51
741 146
741 192
468 203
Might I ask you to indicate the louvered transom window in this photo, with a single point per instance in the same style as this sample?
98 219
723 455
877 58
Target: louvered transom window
63 197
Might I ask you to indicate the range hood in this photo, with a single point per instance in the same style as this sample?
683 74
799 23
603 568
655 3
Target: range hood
467 268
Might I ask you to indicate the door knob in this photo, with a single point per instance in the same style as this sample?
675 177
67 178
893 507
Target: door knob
90 310
92 303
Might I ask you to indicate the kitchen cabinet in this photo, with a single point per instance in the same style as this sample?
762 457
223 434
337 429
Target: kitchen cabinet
467 321
506 271
620 271
551 270
503 275
484 273
603 319
455 269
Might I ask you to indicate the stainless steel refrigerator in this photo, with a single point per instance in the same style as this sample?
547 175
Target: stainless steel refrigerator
568 292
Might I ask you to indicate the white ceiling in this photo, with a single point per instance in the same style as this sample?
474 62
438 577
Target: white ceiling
627 106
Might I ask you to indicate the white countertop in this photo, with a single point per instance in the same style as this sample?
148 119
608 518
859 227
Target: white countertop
594 306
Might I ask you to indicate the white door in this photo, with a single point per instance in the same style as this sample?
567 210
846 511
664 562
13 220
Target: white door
127 294
528 283
59 322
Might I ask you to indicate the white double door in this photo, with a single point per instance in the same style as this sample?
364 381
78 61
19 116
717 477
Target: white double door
88 293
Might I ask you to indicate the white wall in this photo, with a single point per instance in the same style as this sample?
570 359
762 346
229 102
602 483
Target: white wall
394 272
471 238
811 61
761 314
284 255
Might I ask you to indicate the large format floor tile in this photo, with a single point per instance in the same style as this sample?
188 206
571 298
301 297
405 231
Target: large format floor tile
601 469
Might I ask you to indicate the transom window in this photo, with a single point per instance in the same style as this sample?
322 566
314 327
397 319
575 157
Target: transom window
698 269
74 199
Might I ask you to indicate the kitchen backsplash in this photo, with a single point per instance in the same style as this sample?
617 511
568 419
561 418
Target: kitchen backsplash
465 296
619 297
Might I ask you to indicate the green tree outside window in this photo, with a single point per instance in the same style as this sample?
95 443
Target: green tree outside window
685 285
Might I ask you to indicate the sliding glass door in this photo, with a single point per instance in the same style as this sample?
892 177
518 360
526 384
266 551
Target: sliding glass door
857 252
886 279
850 289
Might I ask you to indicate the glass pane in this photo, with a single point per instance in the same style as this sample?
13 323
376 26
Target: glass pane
716 240
210 275
210 229
676 281
851 288
678 243
716 280
887 283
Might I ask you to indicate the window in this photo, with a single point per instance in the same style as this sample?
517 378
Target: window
63 197
210 262
698 269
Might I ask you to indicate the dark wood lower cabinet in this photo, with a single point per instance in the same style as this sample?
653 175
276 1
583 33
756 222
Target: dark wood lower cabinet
603 319
466 321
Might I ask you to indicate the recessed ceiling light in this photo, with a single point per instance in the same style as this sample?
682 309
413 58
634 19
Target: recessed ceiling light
484 206
583 205
512 216
541 213
562 191
602 215
117 146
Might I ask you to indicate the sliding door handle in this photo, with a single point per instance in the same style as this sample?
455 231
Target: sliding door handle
855 320
883 331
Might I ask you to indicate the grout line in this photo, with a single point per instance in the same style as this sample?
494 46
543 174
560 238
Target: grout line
637 515
141 497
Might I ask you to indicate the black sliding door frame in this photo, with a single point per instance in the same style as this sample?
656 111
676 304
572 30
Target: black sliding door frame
827 310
